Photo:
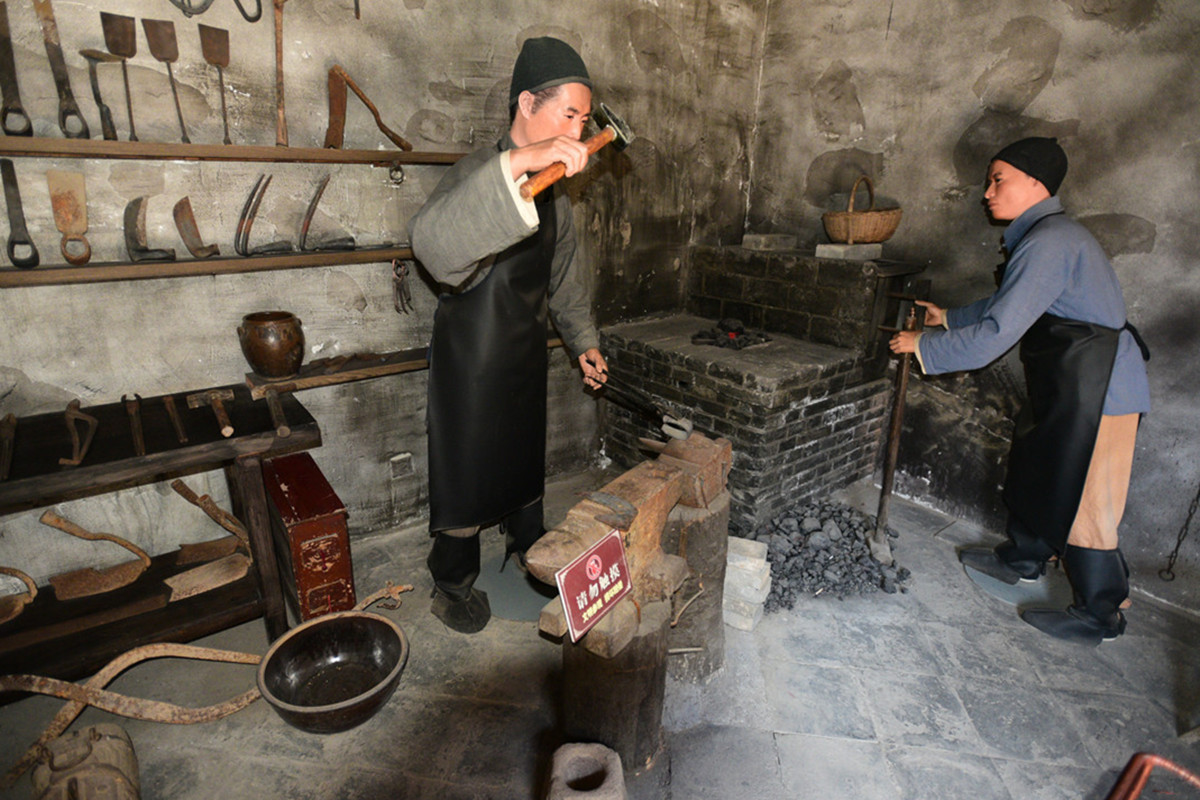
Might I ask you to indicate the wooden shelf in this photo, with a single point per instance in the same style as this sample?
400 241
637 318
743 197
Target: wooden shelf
57 275
13 146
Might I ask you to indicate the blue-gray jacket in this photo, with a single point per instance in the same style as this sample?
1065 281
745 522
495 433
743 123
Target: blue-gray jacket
1057 268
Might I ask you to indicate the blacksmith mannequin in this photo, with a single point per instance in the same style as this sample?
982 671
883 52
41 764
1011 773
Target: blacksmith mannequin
504 262
1072 451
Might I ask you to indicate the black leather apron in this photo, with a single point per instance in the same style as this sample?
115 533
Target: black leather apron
487 387
1067 368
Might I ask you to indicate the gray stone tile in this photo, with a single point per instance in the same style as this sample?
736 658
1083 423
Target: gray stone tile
718 763
1114 727
886 646
818 700
925 773
985 651
962 533
821 767
1163 669
734 696
1031 781
1017 721
919 711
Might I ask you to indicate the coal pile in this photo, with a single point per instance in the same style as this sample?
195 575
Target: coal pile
822 548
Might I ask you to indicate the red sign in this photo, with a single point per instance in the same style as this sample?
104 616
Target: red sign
593 583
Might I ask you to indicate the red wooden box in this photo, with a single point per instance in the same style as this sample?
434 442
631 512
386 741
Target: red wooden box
309 524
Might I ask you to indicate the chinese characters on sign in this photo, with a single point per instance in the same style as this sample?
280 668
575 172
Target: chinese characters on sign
593 583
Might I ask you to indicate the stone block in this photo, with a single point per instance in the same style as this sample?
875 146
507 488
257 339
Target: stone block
593 766
745 553
748 590
740 614
769 241
849 252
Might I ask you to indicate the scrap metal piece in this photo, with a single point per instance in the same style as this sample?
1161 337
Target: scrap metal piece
176 422
8 84
79 447
185 221
241 238
135 234
8 432
18 235
68 109
339 243
133 409
95 57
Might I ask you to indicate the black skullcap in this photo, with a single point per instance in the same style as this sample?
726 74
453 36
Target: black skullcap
545 62
1039 157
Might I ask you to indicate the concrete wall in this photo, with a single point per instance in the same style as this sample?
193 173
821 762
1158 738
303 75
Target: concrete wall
750 116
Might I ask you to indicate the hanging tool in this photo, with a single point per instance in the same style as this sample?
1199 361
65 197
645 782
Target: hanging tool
674 427
214 548
135 234
91 581
214 44
18 235
216 399
256 16
402 297
11 605
615 130
8 83
79 447
339 243
94 57
120 37
241 238
68 197
339 79
8 432
881 550
68 110
133 409
185 221
176 422
191 8
281 134
160 36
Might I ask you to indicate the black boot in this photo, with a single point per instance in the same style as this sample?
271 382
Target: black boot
521 529
1100 580
1022 558
454 564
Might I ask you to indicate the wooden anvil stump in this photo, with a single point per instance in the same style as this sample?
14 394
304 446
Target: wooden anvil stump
614 677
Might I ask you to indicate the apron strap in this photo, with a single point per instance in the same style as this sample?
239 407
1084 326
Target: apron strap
1137 337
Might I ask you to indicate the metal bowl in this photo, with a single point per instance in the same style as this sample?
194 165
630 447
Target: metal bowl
333 672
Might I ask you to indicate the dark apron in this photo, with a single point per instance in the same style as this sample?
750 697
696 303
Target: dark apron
487 387
1067 368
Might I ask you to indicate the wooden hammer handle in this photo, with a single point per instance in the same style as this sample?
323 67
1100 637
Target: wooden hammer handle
281 133
218 407
553 173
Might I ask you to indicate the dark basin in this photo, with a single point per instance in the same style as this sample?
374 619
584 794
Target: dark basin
334 672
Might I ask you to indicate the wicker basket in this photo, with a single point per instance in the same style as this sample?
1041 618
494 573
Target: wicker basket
861 227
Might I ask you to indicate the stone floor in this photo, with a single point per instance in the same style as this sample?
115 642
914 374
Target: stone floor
940 692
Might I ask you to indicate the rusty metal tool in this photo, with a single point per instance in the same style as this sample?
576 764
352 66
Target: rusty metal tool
133 409
615 130
21 250
68 109
68 197
185 221
402 298
190 8
91 581
135 234
218 515
256 16
206 577
95 57
8 83
160 36
338 243
214 44
216 399
12 605
674 427
120 37
241 238
278 418
8 432
281 134
339 79
79 447
176 422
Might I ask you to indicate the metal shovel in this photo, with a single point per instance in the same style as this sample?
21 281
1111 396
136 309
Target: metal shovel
214 42
120 37
90 581
160 34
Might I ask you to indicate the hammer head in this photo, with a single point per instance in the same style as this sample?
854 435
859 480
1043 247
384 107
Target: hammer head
206 398
607 118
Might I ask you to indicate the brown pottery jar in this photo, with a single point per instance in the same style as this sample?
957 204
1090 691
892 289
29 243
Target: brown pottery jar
273 343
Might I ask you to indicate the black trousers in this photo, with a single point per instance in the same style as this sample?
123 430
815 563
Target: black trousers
454 560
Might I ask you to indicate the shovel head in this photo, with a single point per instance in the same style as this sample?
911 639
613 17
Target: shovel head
120 34
91 581
206 551
208 577
214 44
160 35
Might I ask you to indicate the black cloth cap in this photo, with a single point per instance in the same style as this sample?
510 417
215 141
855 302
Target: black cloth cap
545 62
1039 157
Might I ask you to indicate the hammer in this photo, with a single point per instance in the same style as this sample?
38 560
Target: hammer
615 131
215 398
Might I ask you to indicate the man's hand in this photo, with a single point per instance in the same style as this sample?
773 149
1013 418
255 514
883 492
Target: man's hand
595 368
539 155
934 315
904 342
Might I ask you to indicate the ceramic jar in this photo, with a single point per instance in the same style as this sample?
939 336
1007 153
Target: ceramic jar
273 343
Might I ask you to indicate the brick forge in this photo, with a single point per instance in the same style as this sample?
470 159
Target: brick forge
805 412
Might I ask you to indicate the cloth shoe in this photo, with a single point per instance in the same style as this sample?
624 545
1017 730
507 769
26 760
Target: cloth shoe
991 564
1100 580
469 614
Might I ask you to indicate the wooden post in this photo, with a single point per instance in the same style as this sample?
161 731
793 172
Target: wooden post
246 485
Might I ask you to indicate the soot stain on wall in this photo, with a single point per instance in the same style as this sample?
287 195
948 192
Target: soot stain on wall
835 105
1121 234
1029 48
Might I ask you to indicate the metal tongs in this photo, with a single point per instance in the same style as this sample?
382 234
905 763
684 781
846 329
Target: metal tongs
636 400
